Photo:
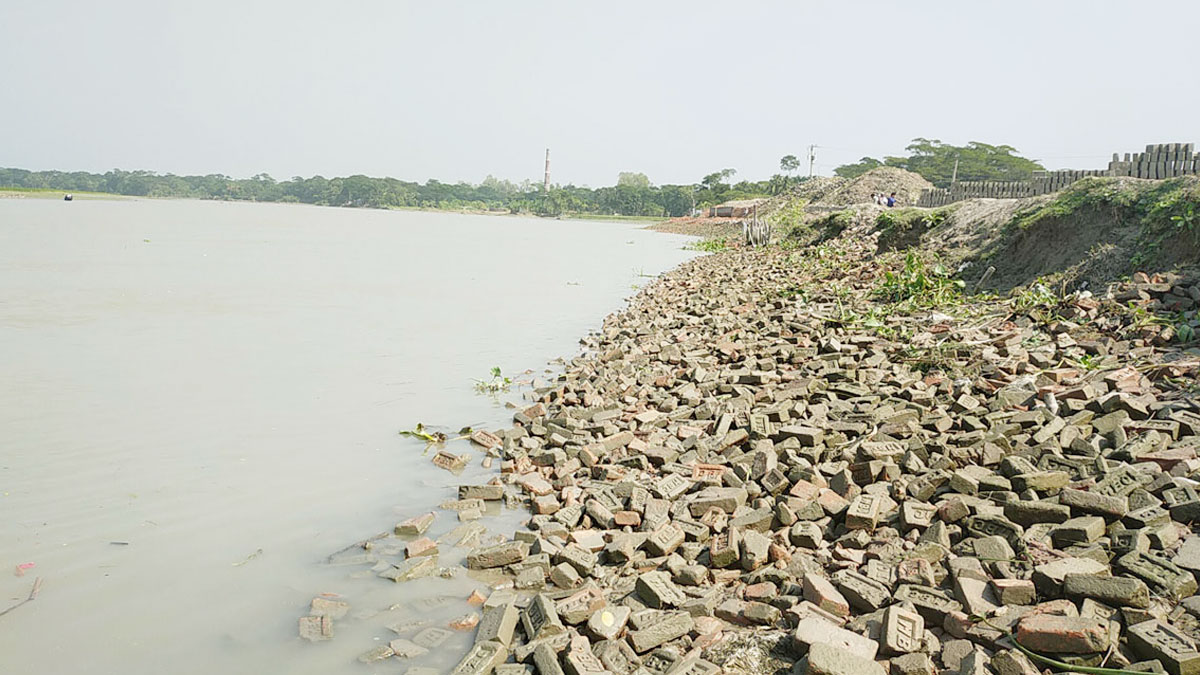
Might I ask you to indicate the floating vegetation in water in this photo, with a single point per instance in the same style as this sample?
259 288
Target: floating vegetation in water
497 384
427 436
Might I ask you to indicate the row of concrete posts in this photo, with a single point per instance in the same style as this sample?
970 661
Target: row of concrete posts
1164 160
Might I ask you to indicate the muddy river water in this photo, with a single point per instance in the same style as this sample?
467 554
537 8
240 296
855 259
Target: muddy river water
200 401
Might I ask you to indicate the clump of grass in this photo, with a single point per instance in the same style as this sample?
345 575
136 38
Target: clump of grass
1174 209
714 245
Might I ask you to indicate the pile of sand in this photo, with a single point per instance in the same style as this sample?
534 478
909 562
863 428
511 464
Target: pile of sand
886 179
817 188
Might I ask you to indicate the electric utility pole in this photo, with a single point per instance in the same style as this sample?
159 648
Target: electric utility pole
812 159
546 180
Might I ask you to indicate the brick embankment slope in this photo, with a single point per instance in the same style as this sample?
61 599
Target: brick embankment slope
792 460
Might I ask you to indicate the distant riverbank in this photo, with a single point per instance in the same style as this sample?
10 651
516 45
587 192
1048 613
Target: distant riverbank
53 193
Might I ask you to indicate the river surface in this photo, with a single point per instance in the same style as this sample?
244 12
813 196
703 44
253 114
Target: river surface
199 402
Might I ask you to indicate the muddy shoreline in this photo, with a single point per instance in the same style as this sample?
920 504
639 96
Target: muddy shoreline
771 458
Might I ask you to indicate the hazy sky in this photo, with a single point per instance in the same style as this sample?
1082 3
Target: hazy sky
460 90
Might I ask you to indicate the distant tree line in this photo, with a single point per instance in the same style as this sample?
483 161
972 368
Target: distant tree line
632 195
935 161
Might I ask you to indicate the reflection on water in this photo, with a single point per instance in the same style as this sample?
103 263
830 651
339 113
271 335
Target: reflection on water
188 383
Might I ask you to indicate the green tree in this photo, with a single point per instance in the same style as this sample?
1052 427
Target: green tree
715 189
676 200
935 161
714 181
858 168
633 179
788 164
778 184
361 190
559 201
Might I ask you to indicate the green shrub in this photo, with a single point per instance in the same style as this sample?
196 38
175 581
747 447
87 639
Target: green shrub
1173 208
919 284
715 245
789 216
